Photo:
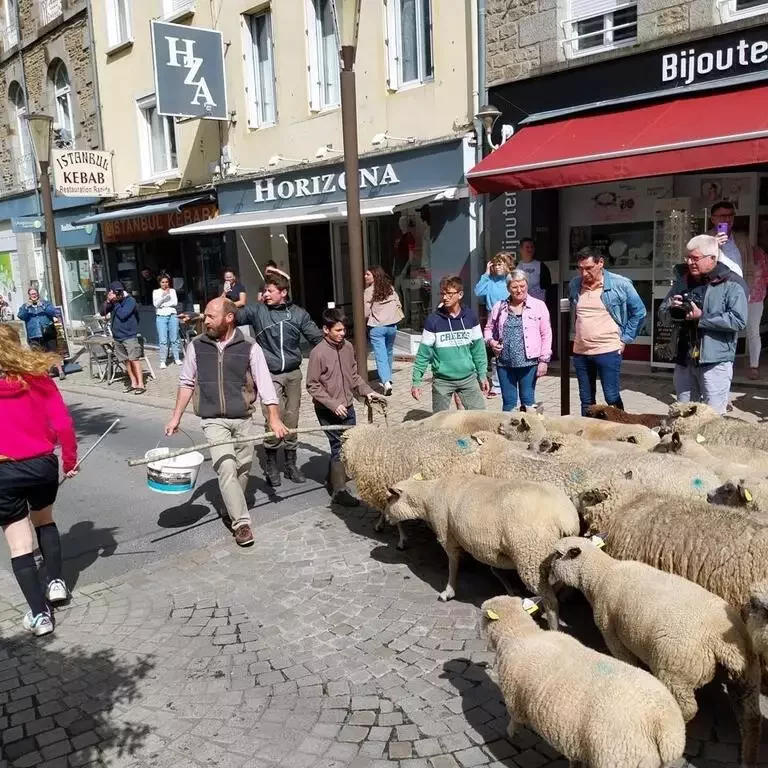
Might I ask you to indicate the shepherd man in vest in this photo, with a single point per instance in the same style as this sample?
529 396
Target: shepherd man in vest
218 367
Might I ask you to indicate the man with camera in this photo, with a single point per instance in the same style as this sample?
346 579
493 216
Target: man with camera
707 305
125 332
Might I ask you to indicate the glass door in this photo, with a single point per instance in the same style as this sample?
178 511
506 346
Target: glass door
78 285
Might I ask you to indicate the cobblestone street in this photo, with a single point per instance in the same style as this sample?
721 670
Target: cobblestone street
320 647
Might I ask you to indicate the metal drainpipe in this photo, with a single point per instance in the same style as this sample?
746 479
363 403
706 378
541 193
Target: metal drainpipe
479 97
95 76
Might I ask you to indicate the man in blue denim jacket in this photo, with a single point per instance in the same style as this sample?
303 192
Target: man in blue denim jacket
609 313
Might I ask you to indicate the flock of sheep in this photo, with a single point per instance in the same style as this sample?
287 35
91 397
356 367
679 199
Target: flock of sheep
660 522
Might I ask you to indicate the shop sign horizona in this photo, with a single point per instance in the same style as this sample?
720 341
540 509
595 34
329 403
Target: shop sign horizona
156 225
270 189
82 173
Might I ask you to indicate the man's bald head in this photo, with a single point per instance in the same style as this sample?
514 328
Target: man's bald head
219 317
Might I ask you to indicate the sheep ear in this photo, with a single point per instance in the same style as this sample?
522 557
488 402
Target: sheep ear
393 493
677 443
580 433
524 425
545 446
628 475
631 439
593 497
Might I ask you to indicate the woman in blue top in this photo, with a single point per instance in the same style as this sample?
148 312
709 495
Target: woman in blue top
492 287
38 316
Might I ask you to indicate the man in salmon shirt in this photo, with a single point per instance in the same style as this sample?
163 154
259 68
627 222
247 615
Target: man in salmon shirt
609 313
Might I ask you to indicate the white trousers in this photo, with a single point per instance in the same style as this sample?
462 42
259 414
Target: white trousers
754 345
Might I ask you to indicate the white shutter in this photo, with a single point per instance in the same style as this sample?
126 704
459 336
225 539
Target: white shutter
313 69
391 42
251 93
585 9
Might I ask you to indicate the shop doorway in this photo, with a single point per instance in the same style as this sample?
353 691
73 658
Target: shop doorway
316 259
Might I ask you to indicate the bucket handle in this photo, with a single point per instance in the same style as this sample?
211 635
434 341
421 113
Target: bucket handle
182 432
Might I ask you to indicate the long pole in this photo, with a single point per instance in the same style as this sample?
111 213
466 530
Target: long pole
354 220
565 357
50 234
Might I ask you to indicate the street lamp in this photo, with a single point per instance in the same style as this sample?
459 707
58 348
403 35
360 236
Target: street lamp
346 15
40 131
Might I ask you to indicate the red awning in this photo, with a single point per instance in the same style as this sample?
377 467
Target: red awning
688 134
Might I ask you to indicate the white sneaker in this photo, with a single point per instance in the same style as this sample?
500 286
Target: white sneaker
39 625
163 365
57 591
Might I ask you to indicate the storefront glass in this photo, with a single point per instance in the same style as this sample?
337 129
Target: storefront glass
78 284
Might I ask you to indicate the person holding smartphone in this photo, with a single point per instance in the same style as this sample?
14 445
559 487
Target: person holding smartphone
233 289
707 306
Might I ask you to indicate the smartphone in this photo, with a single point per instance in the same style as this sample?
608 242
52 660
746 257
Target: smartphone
722 228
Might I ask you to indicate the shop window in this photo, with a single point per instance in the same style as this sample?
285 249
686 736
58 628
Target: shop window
10 22
59 79
157 136
409 42
25 158
260 65
118 22
323 50
589 31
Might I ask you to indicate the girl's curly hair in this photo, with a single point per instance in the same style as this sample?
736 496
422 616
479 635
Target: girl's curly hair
16 362
382 283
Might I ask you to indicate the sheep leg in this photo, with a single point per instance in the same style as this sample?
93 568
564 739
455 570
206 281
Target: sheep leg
499 574
401 540
379 524
745 700
511 727
682 691
454 554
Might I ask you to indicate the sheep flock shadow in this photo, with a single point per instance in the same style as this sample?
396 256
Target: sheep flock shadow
84 695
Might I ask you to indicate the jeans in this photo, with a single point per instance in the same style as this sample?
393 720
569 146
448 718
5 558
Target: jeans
327 417
495 383
288 390
514 379
232 464
468 390
608 367
754 344
383 343
710 384
168 335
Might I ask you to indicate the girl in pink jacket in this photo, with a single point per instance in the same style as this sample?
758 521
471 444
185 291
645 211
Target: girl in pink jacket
34 419
519 334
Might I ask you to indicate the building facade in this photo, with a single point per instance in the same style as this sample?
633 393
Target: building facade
274 166
46 66
650 104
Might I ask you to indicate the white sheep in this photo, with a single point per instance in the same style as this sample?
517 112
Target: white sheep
463 422
677 629
503 523
595 710
700 421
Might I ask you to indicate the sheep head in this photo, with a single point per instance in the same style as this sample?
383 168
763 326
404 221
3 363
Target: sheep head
597 505
732 494
405 500
503 614
688 418
568 560
669 443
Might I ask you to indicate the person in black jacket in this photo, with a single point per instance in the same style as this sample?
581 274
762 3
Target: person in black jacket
278 326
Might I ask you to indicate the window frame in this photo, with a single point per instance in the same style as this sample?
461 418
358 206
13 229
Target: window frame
65 93
170 13
114 39
146 153
11 30
571 36
257 117
394 43
729 11
26 152
317 63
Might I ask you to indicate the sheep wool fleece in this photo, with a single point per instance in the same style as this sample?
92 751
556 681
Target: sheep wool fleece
593 709
703 423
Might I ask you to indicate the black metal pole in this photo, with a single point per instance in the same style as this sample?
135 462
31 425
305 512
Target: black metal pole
565 357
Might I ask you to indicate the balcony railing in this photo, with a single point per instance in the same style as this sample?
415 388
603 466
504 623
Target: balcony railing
26 171
50 10
10 36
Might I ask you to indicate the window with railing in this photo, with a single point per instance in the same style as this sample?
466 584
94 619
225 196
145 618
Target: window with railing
10 24
598 25
176 8
50 10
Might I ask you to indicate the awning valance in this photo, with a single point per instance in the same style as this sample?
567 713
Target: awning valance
167 206
717 130
306 214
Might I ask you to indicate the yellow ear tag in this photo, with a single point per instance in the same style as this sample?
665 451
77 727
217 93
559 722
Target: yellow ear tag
492 615
598 541
701 439
748 494
417 476
530 606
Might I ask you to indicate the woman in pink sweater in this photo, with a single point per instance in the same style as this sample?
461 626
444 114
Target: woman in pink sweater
34 419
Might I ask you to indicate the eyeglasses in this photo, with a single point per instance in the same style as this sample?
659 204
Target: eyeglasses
696 259
450 293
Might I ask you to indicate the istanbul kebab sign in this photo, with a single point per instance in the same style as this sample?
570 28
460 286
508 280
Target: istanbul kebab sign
82 173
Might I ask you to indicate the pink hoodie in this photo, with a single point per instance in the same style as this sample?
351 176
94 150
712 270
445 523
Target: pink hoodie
34 419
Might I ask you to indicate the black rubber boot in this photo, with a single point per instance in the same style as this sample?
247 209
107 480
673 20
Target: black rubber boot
291 471
271 471
341 495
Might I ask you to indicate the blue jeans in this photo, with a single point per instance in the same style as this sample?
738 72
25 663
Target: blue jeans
513 380
327 417
383 343
168 335
608 367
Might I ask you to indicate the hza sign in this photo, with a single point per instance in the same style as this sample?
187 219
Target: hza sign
82 173
322 184
189 71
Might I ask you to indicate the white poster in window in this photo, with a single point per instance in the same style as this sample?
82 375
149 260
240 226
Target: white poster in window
82 173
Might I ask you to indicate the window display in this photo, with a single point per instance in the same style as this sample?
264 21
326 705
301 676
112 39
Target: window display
628 246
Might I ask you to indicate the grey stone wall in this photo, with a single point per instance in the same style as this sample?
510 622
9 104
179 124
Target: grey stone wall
29 64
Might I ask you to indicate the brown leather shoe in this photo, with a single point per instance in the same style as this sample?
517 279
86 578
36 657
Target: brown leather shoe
244 536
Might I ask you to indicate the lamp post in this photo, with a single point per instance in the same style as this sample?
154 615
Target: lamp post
40 130
347 18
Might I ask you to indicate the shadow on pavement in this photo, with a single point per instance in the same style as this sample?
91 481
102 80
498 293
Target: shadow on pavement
71 698
92 422
82 545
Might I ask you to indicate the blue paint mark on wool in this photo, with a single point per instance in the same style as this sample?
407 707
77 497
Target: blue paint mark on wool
698 483
463 443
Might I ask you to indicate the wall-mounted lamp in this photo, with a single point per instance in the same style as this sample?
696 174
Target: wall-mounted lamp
277 159
326 151
382 138
488 115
